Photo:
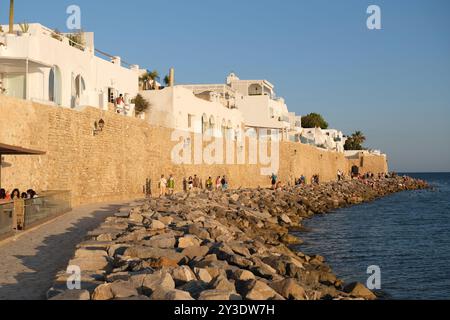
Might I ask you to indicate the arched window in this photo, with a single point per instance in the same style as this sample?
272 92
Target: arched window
212 123
54 85
204 123
80 85
224 128
78 88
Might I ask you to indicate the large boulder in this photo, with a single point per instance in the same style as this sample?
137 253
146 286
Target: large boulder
116 290
157 225
289 289
188 241
203 275
219 295
171 295
243 275
358 290
195 252
150 282
259 291
73 295
182 275
163 241
222 283
143 252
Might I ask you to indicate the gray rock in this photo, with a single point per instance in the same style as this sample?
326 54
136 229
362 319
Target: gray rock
163 241
188 241
203 275
289 289
182 275
259 291
195 251
171 295
73 295
157 225
219 295
143 252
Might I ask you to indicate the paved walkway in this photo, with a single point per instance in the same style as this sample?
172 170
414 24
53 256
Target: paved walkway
29 262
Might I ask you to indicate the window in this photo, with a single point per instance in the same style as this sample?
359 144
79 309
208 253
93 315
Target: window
255 90
54 85
190 118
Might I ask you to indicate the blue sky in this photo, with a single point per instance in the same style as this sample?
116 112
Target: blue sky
393 84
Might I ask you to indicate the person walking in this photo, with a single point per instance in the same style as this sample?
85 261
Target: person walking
162 186
274 179
218 183
190 184
196 182
209 184
171 185
224 183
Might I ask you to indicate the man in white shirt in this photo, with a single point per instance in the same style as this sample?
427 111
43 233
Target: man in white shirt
162 186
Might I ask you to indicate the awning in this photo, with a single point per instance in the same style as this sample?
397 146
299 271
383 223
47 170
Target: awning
18 65
6 149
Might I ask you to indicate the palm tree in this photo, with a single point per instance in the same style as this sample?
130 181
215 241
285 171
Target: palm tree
11 16
149 77
358 137
167 80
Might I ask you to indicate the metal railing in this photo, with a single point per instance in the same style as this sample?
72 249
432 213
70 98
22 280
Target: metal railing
24 214
48 205
6 218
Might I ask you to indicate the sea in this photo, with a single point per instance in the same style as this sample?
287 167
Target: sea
404 238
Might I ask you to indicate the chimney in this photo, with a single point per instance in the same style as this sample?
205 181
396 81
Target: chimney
172 77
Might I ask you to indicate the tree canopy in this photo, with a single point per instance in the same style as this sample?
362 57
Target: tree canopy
314 120
141 104
355 141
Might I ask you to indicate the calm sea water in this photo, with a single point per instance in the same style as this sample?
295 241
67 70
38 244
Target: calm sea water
407 235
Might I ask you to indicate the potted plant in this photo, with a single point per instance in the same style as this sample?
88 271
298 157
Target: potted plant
76 40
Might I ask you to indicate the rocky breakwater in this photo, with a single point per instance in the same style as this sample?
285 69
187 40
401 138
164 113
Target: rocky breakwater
217 246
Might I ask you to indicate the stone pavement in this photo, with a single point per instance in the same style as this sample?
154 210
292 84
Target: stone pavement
29 262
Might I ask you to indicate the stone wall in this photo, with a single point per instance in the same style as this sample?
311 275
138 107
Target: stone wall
115 164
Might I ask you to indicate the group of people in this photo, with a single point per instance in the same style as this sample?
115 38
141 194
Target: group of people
300 181
166 186
193 183
5 196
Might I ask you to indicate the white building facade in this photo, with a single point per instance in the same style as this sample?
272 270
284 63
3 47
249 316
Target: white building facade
330 139
260 106
179 108
46 67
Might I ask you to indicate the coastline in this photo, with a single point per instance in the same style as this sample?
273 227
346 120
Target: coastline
219 246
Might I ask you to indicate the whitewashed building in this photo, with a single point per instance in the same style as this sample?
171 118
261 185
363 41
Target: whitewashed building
47 67
330 139
260 106
180 108
255 100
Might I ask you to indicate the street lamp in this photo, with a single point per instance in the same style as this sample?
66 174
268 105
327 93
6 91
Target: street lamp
98 127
